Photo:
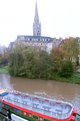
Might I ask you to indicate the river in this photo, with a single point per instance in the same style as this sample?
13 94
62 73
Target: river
51 89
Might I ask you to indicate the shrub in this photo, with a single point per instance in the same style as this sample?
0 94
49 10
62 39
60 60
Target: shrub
66 69
30 63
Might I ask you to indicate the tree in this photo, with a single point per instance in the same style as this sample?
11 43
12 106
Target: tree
16 59
3 56
66 69
70 47
57 55
65 54
30 63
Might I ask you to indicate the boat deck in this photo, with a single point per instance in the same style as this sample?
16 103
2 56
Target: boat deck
55 109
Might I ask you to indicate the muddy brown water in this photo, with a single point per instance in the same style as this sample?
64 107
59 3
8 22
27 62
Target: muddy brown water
51 89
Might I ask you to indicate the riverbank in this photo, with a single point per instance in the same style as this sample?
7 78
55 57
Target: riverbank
75 78
4 70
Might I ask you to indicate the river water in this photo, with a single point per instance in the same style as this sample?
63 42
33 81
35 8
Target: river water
51 89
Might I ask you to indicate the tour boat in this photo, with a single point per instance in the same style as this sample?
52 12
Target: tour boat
20 106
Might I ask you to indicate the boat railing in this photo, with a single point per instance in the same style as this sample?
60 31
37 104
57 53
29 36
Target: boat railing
35 96
36 106
43 109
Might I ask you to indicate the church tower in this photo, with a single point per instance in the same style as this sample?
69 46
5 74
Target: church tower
36 24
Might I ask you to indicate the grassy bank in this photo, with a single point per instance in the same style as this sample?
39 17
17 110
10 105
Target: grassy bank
75 78
4 70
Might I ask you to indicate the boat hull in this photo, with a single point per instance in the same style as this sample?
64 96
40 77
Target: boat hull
32 113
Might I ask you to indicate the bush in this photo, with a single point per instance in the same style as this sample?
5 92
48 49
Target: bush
30 63
66 69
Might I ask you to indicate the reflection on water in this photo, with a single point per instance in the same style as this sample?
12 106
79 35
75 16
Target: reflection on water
5 81
52 89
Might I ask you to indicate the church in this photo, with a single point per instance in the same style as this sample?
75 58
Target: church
36 40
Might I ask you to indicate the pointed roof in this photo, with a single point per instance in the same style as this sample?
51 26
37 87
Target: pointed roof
36 23
36 18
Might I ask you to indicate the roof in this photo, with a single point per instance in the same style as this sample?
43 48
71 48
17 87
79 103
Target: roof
41 105
3 92
34 38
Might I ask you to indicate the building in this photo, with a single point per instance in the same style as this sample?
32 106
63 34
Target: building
39 42
36 40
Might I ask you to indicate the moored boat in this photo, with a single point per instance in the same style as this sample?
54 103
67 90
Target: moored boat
35 108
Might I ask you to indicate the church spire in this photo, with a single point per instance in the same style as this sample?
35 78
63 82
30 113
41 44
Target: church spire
36 24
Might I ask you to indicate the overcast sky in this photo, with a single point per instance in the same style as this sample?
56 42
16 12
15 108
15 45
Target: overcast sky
59 18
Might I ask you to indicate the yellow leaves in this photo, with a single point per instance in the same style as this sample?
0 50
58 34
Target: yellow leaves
66 51
57 53
70 47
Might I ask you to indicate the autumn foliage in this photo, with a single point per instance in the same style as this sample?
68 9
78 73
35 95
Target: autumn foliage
65 56
32 63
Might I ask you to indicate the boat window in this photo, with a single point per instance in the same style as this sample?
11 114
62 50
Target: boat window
30 115
25 113
41 119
